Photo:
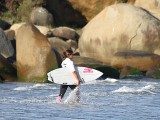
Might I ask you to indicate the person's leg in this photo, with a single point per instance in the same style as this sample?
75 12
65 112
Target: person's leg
72 87
63 89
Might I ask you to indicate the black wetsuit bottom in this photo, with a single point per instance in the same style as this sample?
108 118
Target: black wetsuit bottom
63 89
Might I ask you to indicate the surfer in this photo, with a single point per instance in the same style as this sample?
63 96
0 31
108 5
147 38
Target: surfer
68 63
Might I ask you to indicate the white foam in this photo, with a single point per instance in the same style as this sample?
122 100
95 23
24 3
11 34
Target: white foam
123 89
111 80
73 97
38 85
22 88
126 89
147 88
35 86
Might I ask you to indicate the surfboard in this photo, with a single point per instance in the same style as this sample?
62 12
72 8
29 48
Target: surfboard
65 77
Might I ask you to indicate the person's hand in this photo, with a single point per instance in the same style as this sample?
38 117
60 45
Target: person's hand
78 82
76 76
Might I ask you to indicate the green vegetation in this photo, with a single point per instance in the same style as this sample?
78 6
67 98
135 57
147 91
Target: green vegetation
24 10
7 16
21 10
130 72
135 71
157 77
156 73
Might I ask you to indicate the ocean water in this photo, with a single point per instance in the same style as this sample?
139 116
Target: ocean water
105 99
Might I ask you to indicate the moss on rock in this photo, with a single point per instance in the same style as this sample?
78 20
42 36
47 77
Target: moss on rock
130 71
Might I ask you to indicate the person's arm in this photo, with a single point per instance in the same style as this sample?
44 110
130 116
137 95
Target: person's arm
76 76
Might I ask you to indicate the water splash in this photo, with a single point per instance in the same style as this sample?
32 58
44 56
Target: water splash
73 97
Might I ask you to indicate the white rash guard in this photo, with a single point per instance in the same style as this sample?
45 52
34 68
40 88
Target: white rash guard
67 63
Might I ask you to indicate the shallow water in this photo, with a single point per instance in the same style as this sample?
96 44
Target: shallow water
100 100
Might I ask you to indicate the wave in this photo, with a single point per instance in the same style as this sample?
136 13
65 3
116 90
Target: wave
111 80
22 88
126 89
35 86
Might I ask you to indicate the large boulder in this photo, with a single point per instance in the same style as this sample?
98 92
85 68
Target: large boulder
34 54
120 27
58 44
44 30
16 26
6 48
90 8
72 44
84 61
40 16
65 33
152 6
137 59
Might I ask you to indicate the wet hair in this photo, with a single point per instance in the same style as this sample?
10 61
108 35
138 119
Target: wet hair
67 53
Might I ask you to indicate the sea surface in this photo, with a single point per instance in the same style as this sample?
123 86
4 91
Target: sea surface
104 99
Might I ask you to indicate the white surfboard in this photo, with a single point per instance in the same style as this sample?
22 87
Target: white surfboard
65 77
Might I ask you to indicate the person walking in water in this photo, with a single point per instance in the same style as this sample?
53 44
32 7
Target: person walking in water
68 63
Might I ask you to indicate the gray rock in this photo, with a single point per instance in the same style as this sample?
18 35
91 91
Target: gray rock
73 44
58 44
6 48
40 16
65 33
